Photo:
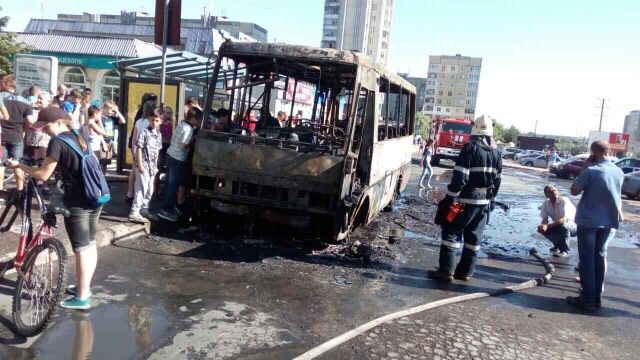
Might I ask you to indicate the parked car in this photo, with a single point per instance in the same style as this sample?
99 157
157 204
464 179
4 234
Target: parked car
628 165
541 161
527 153
569 169
509 153
631 185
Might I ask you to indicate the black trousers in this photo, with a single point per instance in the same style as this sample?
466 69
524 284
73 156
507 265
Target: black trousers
467 226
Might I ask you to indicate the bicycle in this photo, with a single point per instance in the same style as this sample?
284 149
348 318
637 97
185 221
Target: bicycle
40 261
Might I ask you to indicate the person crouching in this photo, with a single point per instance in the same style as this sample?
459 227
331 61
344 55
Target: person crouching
148 147
562 214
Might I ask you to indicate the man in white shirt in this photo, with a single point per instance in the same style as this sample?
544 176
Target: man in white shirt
562 226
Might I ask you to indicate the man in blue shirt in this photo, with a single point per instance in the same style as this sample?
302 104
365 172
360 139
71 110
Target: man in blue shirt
598 216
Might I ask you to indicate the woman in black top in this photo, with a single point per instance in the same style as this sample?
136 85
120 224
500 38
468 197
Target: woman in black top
82 223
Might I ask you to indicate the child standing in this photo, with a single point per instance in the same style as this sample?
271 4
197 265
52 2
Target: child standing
148 147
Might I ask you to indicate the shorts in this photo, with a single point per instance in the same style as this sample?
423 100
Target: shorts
12 151
81 226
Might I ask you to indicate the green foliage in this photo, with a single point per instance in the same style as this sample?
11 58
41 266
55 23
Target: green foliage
510 134
9 46
498 131
423 122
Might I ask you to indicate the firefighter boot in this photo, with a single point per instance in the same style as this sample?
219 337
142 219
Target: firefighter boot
439 276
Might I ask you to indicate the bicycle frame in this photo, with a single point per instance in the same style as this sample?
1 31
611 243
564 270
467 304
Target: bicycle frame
27 240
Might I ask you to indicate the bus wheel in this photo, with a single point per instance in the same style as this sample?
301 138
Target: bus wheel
435 160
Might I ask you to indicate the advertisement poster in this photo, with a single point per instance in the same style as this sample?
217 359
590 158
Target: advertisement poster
41 71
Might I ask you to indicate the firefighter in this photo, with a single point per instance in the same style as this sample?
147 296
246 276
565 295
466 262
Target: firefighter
464 211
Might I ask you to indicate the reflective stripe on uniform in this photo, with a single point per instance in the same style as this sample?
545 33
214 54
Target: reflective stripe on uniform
484 169
461 169
471 247
474 201
451 244
450 193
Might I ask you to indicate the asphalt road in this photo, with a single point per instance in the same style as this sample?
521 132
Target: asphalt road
214 292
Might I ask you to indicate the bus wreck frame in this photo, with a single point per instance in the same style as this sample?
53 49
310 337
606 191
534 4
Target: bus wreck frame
334 170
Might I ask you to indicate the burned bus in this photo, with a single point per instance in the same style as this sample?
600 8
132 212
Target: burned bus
333 162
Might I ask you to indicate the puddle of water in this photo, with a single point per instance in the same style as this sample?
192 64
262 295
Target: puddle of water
114 331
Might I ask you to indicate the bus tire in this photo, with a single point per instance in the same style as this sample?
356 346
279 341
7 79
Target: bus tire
435 160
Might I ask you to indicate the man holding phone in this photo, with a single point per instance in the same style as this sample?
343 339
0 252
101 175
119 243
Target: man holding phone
598 216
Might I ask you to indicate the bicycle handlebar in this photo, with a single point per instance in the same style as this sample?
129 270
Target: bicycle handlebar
59 210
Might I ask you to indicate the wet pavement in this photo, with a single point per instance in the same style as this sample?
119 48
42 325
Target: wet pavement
213 293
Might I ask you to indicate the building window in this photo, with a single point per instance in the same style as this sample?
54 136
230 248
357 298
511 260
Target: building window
444 68
440 93
74 78
431 92
110 86
453 68
438 109
448 109
429 108
450 93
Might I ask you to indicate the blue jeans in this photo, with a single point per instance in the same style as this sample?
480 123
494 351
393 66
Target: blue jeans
175 170
592 252
426 173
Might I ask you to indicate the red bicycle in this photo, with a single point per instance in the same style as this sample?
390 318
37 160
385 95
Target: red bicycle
40 261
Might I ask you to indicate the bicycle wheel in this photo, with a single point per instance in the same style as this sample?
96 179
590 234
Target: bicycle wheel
39 291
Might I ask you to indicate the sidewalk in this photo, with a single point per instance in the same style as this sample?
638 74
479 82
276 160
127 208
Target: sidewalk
516 165
114 223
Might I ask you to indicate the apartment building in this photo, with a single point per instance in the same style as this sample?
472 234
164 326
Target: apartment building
452 86
362 25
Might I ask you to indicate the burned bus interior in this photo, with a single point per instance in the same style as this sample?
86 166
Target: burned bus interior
252 82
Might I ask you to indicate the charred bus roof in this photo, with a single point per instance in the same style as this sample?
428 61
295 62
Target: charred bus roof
254 52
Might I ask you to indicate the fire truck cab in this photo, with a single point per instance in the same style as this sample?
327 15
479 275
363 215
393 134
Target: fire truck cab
449 136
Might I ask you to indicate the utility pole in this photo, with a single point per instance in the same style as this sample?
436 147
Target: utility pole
163 71
601 112
535 129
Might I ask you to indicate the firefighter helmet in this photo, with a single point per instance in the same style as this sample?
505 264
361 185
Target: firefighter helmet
482 126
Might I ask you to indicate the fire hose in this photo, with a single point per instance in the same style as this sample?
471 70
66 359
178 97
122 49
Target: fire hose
331 344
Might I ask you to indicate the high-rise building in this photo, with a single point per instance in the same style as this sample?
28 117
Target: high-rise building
362 25
452 86
632 127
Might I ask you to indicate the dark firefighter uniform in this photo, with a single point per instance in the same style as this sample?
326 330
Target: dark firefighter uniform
475 183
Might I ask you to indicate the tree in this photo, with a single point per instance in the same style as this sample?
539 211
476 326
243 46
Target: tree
510 134
423 122
498 131
9 46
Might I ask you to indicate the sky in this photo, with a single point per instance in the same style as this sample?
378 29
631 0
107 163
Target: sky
545 61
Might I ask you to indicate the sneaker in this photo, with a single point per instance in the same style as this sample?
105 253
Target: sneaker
554 250
561 254
76 304
439 276
580 303
137 218
167 216
128 199
73 290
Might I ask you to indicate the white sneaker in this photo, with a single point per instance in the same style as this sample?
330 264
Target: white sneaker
137 218
561 254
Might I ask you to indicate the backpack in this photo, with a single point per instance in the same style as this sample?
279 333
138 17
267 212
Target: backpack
96 190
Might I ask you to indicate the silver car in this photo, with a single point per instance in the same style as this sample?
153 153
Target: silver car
631 185
539 161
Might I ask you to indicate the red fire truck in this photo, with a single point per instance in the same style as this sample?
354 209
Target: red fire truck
449 136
